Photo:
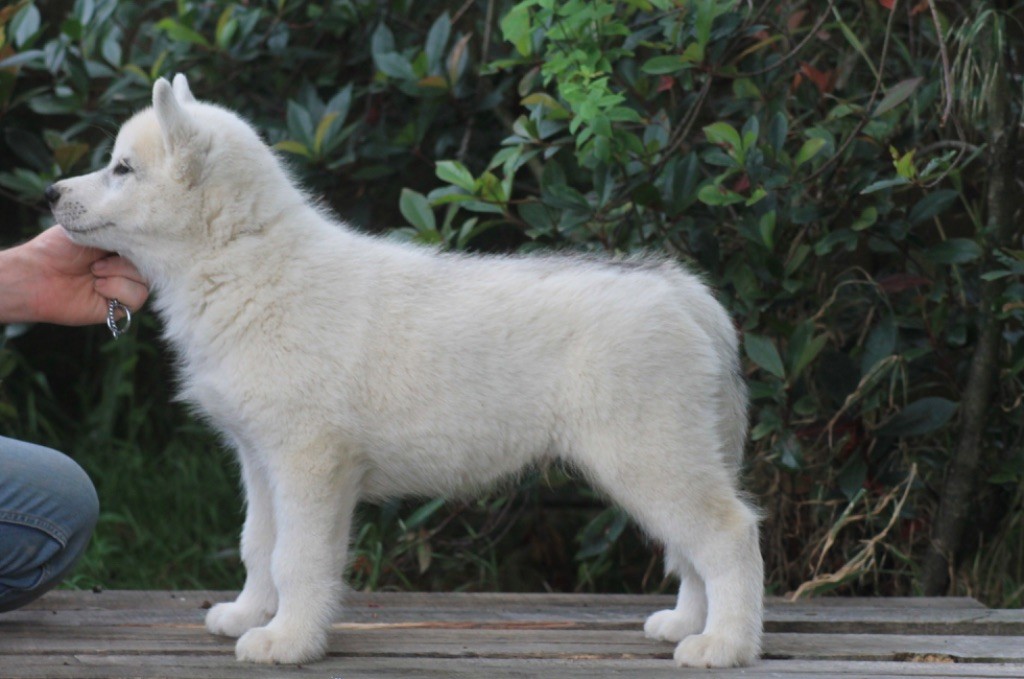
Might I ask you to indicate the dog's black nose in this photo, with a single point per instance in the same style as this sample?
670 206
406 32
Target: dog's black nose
52 194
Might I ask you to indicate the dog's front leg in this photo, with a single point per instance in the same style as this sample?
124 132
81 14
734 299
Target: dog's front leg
313 504
258 601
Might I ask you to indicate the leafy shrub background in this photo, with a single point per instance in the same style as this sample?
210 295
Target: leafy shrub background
842 172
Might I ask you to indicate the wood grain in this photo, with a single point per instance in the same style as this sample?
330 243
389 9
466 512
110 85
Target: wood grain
160 634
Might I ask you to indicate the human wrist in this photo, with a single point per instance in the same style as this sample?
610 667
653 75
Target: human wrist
16 293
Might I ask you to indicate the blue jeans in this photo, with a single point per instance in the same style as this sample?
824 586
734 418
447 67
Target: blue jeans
48 509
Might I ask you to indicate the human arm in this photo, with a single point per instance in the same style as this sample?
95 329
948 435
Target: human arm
51 279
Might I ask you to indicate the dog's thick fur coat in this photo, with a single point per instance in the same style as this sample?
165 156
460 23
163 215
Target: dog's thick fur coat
344 367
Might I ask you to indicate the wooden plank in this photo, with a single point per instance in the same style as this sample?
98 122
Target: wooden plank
184 667
527 642
883 603
894 647
160 634
960 616
126 599
952 621
833 620
133 599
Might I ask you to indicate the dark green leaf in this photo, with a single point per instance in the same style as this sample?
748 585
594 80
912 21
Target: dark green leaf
111 47
454 172
710 194
516 28
539 217
885 184
806 355
30 185
920 417
954 251
394 65
21 58
25 24
880 344
601 533
423 513
777 131
810 148
437 39
29 149
866 220
896 95
300 124
565 197
843 237
935 203
789 451
417 211
750 132
665 65
724 134
762 351
179 32
382 41
852 476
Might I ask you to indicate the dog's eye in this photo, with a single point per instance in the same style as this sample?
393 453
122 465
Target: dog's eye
122 168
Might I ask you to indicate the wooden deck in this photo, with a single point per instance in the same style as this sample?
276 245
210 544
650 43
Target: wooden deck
160 634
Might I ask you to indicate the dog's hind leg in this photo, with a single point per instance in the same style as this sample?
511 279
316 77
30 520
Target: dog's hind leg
690 613
258 601
726 554
717 534
686 498
314 498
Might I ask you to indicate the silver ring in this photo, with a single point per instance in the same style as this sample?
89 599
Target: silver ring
112 307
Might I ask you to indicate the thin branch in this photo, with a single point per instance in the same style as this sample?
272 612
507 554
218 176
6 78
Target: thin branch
947 75
860 563
867 108
691 117
792 53
965 147
482 87
462 10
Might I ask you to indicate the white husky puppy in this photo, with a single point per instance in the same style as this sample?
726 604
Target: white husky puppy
344 367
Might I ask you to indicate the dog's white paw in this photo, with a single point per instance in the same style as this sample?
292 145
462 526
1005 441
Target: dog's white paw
278 644
234 619
673 624
714 650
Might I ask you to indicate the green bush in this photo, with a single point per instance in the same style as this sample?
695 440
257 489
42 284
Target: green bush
830 167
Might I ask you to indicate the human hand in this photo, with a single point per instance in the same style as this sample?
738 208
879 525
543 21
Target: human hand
51 279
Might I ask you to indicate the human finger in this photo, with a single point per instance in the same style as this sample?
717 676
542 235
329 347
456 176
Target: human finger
115 266
131 293
54 248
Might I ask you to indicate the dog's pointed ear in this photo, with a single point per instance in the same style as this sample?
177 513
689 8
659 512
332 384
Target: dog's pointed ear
181 90
175 122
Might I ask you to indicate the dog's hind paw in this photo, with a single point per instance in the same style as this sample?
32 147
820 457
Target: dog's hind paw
275 644
673 625
714 650
234 619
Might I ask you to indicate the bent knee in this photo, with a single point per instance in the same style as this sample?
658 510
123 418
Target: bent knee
48 510
35 559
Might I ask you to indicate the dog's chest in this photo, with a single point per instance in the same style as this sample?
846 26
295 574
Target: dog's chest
213 392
